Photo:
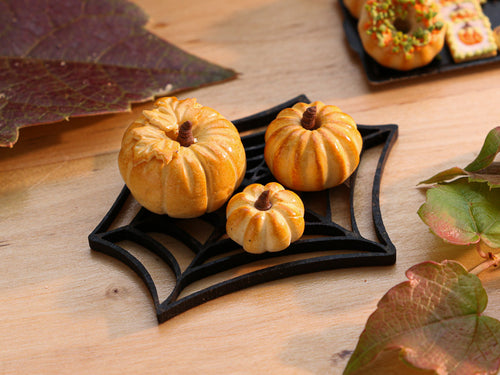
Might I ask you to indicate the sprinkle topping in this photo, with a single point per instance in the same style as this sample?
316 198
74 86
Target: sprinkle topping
403 24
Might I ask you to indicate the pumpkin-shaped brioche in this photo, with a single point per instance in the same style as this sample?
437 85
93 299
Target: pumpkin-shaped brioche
265 218
312 147
181 158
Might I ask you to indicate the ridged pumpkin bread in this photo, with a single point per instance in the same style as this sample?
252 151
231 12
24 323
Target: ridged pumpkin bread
181 158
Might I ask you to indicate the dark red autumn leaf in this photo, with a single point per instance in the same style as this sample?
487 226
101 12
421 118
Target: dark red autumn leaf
60 59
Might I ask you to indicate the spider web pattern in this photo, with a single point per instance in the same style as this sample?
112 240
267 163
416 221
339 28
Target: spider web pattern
219 253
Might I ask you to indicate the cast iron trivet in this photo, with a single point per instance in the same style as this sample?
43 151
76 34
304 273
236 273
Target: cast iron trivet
219 253
378 74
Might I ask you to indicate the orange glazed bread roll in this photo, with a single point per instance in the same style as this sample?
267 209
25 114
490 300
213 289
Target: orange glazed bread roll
181 158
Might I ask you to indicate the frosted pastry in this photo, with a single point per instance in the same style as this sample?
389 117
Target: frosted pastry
461 10
471 39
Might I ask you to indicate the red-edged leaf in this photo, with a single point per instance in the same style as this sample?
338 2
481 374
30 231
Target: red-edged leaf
82 57
435 321
463 213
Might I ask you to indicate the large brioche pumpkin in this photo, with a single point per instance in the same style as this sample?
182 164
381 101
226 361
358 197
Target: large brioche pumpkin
312 147
181 158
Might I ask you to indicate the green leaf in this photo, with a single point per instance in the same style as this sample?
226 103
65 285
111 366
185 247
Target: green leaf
482 169
435 322
446 175
490 149
490 175
60 59
463 213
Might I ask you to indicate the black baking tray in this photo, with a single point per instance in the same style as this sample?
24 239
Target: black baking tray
325 244
443 62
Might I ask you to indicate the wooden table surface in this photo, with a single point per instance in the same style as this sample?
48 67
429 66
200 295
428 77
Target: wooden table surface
68 310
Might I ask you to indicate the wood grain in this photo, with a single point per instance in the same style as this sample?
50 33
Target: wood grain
65 309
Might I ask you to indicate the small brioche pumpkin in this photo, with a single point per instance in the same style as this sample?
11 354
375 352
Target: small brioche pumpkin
265 218
312 147
181 158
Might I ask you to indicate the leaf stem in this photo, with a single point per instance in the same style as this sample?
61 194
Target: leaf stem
492 260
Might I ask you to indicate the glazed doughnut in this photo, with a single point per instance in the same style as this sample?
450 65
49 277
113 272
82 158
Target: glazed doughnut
402 34
354 7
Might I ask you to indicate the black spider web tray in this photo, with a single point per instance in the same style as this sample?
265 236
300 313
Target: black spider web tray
337 246
378 74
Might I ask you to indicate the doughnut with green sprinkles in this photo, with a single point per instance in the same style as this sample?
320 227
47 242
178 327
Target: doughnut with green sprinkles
401 34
